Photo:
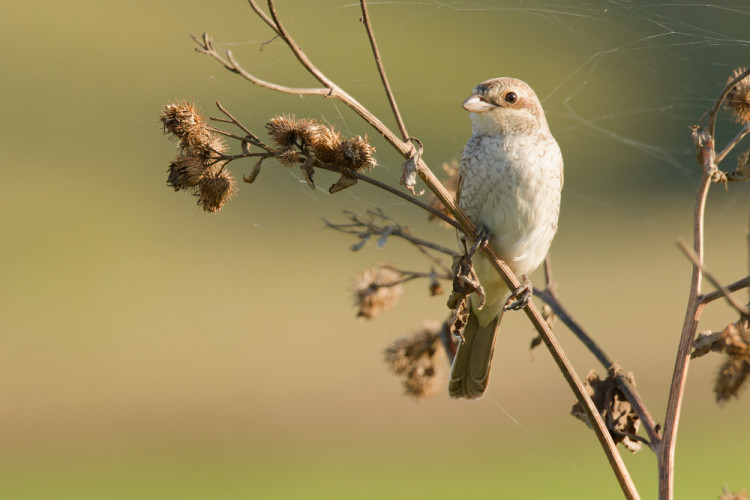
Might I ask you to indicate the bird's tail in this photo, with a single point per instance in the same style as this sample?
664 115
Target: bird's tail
471 367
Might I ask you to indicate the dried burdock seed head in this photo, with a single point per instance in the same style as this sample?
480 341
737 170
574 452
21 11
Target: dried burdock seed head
185 172
288 131
732 376
376 290
736 337
215 188
287 156
737 101
616 411
210 147
356 153
413 358
184 121
326 145
180 117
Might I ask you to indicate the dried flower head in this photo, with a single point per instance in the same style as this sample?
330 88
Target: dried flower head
738 99
287 156
376 290
616 411
215 188
732 376
210 148
326 145
288 131
356 153
451 184
184 121
185 172
413 358
734 372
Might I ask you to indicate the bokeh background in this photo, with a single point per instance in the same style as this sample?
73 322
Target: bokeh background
149 350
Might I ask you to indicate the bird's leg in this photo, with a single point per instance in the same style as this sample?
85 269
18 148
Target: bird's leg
520 296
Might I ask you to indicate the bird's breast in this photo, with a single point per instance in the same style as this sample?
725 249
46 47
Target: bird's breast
511 185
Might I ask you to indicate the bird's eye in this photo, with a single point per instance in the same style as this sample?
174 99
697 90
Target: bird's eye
511 97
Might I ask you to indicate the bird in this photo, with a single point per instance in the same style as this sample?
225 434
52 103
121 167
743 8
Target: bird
509 184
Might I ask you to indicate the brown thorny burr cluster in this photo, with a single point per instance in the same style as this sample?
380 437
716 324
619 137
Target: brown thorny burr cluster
200 169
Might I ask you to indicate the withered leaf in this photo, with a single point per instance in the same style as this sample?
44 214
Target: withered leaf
254 172
344 182
409 176
308 171
615 409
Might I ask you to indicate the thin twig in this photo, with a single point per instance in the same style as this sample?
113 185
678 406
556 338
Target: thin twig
386 187
679 377
737 138
696 262
732 287
381 71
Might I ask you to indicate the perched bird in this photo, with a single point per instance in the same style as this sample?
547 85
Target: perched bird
510 181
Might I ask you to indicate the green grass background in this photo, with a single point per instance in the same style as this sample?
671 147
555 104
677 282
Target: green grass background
149 350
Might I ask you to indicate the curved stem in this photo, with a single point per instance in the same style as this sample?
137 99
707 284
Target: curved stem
690 326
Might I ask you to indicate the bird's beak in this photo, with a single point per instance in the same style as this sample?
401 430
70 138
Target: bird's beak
476 104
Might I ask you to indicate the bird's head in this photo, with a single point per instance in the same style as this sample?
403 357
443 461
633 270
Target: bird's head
505 106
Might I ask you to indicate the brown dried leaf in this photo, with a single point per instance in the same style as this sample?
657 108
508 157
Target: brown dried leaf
344 182
465 282
254 172
615 409
458 320
308 171
706 342
409 176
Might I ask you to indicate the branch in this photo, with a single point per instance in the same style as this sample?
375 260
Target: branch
381 71
732 287
386 187
696 262
737 138
707 159
689 328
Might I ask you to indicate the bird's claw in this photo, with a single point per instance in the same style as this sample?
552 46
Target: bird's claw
520 296
481 237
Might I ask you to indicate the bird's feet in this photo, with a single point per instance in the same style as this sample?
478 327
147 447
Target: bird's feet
520 296
481 237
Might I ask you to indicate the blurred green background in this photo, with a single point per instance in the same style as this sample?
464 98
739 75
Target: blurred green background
153 351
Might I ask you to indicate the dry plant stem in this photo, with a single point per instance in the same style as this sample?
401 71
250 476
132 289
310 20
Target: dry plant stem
406 149
737 138
381 71
679 378
695 305
732 287
720 288
392 190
